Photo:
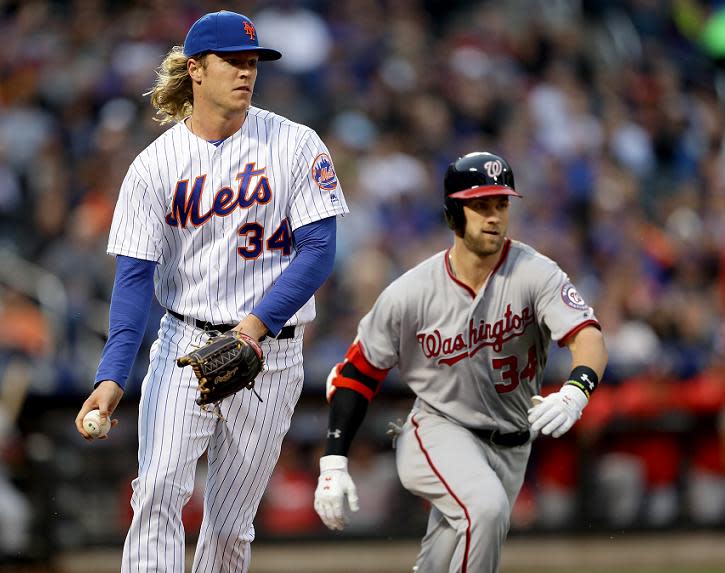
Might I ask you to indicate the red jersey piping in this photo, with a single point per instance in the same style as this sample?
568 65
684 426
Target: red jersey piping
504 253
464 565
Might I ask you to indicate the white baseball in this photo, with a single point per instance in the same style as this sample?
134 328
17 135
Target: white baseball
536 400
93 425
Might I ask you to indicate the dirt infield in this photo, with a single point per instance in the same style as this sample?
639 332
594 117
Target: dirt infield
625 553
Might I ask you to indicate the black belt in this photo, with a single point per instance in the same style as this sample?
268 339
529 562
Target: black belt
510 440
286 332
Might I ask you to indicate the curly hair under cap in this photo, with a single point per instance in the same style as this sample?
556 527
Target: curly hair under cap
172 94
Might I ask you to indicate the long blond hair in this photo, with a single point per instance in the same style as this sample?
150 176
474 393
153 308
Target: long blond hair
171 94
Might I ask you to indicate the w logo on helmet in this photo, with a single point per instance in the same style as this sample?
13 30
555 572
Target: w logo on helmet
493 168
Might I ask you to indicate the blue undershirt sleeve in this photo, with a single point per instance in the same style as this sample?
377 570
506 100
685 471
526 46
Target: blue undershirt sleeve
315 246
133 290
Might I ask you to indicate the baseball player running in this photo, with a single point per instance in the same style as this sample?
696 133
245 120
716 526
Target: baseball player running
469 329
229 217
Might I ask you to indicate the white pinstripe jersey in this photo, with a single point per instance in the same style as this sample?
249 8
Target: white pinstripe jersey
477 358
219 219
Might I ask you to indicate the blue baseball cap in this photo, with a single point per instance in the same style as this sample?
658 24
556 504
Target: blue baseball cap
225 31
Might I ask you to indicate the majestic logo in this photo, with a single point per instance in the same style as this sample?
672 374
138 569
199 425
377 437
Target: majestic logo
186 206
249 30
493 168
494 334
572 298
324 173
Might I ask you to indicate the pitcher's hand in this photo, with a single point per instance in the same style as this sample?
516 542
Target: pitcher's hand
105 398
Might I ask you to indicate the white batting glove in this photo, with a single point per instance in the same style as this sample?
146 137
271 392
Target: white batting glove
557 413
333 486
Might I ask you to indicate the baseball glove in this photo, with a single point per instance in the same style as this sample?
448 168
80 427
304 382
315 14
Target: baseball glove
224 365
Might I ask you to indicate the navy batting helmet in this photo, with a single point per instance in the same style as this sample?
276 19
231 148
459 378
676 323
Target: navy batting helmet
478 174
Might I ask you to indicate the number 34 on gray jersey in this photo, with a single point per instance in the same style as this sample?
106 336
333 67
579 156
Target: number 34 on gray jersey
476 357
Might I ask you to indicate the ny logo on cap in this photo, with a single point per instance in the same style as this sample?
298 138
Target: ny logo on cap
249 30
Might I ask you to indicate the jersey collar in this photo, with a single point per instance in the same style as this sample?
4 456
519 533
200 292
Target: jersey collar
504 253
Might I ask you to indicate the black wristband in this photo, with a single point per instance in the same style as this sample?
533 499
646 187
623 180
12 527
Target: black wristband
584 378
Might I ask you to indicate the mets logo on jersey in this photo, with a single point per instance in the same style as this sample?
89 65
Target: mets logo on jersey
186 205
572 298
324 173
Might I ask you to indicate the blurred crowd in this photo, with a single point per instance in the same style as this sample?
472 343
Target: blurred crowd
611 113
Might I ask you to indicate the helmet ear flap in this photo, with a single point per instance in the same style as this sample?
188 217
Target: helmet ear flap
453 211
449 218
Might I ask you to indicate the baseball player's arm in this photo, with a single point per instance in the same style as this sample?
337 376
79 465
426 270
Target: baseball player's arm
315 246
557 413
128 315
587 349
350 387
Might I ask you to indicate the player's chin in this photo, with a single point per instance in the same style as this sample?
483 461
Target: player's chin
487 244
241 101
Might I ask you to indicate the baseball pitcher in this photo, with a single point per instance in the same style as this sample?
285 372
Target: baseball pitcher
469 329
229 218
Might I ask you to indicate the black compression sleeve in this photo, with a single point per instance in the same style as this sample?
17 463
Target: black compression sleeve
347 412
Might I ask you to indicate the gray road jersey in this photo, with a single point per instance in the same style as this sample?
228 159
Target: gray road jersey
476 358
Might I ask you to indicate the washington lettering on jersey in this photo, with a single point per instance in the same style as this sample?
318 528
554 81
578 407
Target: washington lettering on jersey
494 334
186 205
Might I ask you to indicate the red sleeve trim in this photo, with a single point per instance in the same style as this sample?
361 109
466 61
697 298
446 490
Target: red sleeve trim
356 357
352 384
564 339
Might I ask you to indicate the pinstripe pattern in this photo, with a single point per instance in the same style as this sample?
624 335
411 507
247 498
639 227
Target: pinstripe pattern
185 203
201 274
242 451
